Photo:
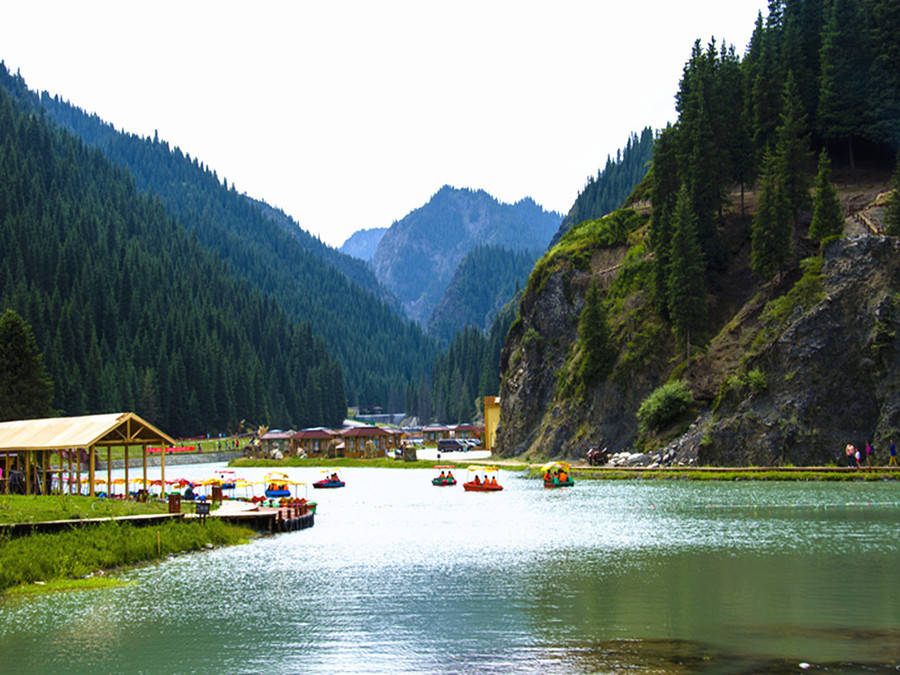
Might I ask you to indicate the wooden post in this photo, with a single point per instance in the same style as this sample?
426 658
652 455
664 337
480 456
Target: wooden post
61 490
127 489
92 471
144 448
69 477
28 472
109 471
78 471
7 462
45 489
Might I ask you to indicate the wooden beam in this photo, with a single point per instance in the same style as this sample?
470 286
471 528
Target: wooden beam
162 472
127 484
78 470
109 472
144 448
91 471
28 472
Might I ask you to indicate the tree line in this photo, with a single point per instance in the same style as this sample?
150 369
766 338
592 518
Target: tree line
818 75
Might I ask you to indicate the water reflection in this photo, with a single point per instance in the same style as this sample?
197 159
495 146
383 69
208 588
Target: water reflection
399 576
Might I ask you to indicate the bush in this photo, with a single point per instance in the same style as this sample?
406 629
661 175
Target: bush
664 405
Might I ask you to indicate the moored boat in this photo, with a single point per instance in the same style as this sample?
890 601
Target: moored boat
277 485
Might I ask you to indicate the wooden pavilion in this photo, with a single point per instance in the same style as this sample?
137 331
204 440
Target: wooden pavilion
26 446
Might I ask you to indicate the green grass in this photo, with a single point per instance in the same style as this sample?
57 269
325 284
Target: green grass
57 585
380 463
37 508
83 551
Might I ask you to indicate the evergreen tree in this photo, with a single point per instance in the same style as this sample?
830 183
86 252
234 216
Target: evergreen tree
843 108
664 193
828 219
25 388
892 215
597 352
772 230
686 276
792 154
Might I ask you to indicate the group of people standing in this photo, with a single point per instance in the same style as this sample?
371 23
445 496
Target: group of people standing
856 457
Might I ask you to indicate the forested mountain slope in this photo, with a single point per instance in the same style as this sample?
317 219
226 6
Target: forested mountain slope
417 256
380 351
130 311
752 314
485 280
607 192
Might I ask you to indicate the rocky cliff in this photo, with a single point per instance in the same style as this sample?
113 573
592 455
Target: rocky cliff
789 373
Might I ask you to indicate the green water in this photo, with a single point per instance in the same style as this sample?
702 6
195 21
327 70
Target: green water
401 576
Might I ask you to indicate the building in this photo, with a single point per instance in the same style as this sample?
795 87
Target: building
314 441
491 421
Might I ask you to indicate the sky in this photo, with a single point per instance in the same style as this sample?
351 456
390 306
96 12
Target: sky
349 115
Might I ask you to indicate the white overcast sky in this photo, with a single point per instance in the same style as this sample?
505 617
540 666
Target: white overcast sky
348 115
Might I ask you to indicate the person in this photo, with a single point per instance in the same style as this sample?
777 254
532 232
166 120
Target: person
563 476
449 476
189 492
547 476
893 451
849 450
869 452
856 456
477 480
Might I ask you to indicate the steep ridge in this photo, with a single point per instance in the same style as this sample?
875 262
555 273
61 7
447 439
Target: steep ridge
362 243
417 256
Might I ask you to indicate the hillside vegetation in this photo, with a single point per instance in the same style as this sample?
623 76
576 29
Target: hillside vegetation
130 311
718 325
379 350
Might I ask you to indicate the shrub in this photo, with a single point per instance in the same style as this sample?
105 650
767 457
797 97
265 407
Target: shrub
756 380
664 405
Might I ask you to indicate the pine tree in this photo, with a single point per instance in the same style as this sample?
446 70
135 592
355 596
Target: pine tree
687 274
828 219
843 107
25 389
597 352
892 215
792 154
772 230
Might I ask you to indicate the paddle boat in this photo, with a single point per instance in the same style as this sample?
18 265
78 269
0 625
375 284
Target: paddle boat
332 480
227 477
445 477
277 485
556 474
487 484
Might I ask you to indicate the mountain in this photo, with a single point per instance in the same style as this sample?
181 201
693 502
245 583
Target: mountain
417 256
380 351
607 192
713 325
355 270
130 311
362 243
485 280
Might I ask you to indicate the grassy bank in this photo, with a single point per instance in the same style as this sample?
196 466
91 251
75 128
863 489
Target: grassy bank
37 508
379 463
736 475
82 551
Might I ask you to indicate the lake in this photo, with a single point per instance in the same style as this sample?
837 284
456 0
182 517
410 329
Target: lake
401 576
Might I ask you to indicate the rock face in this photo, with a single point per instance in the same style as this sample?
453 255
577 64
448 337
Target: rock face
833 373
417 256
830 373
